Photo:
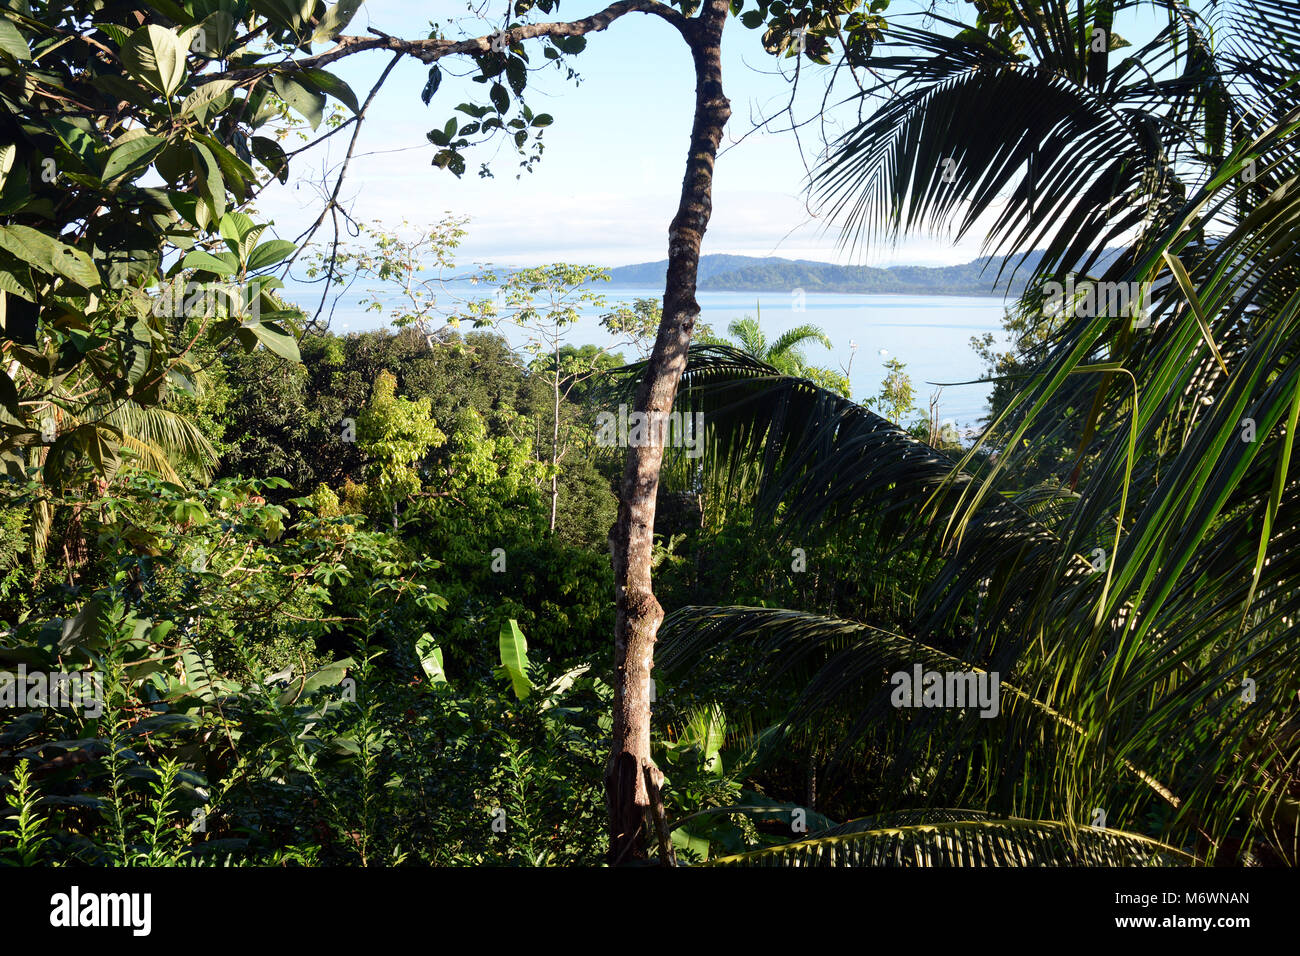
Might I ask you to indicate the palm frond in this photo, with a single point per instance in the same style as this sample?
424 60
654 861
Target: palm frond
789 343
827 681
976 842
750 336
163 438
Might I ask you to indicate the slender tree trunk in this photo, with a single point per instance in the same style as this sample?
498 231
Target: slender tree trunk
555 445
638 612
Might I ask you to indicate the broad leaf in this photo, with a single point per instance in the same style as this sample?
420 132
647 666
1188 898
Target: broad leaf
222 265
514 658
269 253
12 42
335 20
49 255
205 95
307 102
132 155
156 55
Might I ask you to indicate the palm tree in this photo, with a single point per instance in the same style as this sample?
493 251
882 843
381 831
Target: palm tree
156 439
786 353
1139 597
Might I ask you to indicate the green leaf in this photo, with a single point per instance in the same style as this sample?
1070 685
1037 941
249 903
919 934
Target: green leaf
271 155
83 628
12 42
430 655
8 153
517 74
331 675
234 226
156 55
162 723
209 172
448 159
1274 502
431 85
269 253
330 84
205 94
9 283
198 679
500 98
1189 289
335 20
290 14
116 32
688 842
222 266
514 658
277 340
79 142
104 449
132 155
214 33
49 255
976 842
236 173
308 103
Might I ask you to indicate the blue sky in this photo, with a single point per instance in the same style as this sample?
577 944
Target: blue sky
608 183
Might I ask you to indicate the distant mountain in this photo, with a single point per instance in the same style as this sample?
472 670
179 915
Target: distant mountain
751 274
653 273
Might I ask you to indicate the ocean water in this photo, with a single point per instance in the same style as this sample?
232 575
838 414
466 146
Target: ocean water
931 334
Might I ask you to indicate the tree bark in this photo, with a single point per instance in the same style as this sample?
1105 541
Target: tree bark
638 612
555 443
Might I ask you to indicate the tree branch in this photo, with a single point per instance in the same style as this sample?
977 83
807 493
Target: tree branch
432 50
332 202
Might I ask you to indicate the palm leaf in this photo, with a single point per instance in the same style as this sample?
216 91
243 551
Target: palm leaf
976 842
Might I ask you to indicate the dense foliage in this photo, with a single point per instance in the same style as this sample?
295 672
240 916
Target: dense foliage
272 595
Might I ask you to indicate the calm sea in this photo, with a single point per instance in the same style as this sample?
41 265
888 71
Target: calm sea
931 334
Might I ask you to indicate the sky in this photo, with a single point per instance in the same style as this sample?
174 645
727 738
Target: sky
609 180
608 183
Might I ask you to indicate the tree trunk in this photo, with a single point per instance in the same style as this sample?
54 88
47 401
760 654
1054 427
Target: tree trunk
638 613
555 444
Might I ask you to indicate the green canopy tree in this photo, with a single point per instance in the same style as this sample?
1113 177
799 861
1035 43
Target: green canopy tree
394 434
94 104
